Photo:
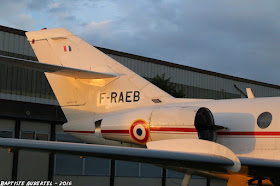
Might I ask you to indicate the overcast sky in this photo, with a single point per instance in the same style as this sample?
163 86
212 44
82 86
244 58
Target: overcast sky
240 38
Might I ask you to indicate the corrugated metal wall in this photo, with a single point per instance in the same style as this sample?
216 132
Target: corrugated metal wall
15 45
32 86
196 85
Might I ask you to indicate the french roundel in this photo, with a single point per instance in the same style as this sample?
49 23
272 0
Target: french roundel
139 131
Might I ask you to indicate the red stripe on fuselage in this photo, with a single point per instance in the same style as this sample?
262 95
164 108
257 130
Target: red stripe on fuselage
172 129
185 130
233 133
115 131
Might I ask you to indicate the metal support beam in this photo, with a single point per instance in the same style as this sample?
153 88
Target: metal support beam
15 152
163 178
208 181
112 173
51 155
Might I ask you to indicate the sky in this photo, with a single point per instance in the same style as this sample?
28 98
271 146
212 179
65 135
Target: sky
235 37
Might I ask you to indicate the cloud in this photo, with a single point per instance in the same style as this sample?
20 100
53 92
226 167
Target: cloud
12 15
55 5
97 27
234 37
228 37
37 5
97 32
26 21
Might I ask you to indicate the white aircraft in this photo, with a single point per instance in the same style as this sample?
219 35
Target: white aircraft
104 102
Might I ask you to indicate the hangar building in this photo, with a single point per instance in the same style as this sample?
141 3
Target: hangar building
29 110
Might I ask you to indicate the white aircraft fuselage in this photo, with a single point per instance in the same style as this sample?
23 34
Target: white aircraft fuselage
239 117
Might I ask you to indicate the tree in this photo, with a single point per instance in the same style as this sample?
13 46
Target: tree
165 84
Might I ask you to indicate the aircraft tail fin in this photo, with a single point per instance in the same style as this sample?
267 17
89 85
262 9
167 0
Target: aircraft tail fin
62 48
250 93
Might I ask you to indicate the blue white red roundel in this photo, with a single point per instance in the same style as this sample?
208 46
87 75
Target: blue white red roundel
139 131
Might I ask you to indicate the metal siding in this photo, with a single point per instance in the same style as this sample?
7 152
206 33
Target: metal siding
162 70
176 75
148 70
2 40
144 66
16 44
29 80
228 85
38 85
182 76
21 44
1 78
191 84
231 87
30 50
166 71
132 65
3 75
26 45
158 70
197 80
11 43
18 82
205 80
154 73
210 82
136 67
6 41
14 80
140 66
186 77
126 62
153 68
172 74
9 80
117 58
33 84
24 83
123 61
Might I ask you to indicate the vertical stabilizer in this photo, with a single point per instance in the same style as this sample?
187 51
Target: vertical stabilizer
80 97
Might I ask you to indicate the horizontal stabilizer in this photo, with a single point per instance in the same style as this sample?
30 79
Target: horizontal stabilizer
55 69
